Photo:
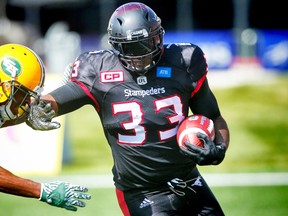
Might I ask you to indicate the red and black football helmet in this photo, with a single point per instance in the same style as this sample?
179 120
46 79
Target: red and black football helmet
135 31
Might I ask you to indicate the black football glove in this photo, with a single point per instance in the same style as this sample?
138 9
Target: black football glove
211 154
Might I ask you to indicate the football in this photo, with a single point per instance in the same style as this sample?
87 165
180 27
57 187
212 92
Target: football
190 126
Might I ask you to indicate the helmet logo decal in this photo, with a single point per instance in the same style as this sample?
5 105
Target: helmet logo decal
11 67
142 32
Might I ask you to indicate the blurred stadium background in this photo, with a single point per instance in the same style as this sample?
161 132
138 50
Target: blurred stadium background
229 31
245 42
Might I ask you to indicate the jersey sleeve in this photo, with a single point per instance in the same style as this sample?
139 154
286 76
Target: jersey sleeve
83 70
195 62
202 99
70 97
204 102
84 73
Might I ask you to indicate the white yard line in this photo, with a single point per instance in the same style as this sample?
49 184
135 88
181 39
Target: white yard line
246 179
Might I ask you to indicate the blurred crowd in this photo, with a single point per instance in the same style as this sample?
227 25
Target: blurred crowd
57 48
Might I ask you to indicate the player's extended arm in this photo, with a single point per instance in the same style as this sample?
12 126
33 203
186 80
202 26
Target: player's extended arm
62 100
213 152
12 184
60 194
41 114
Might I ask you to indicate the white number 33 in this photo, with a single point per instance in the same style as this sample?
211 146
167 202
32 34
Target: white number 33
136 112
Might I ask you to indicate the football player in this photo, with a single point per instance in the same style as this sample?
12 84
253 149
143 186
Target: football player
142 90
21 81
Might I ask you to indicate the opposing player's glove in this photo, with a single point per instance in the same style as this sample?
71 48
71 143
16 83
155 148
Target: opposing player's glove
211 154
40 116
64 195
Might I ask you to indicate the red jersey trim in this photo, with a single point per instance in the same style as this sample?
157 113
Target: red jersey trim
199 84
85 89
122 203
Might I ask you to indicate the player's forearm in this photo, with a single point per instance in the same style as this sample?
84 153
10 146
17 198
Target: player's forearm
12 184
222 134
51 99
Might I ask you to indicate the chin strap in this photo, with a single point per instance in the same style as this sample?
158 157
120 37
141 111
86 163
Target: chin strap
1 121
6 113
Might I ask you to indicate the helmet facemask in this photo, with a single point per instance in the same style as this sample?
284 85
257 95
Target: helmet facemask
18 98
141 55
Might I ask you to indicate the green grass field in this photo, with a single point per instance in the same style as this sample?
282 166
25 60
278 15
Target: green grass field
258 120
235 201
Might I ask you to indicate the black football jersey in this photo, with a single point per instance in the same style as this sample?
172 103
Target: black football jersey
140 114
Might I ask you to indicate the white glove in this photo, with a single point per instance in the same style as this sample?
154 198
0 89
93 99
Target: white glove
64 195
40 116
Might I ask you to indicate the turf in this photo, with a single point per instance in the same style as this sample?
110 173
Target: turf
235 201
258 119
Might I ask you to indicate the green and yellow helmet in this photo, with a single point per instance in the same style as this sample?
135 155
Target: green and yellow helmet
21 69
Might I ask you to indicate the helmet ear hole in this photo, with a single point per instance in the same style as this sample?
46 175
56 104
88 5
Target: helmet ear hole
147 16
120 21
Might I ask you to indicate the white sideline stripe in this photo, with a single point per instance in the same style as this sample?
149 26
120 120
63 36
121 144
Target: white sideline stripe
214 180
246 179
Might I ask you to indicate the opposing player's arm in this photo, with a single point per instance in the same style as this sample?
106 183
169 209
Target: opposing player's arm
12 184
58 193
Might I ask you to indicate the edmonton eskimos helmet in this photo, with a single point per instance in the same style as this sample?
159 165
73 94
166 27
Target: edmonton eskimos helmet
21 70
135 31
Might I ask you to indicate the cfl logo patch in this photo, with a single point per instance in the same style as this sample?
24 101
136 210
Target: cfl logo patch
142 80
111 76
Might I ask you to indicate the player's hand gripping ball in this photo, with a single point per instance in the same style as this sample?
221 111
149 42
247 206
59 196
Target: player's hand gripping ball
190 126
